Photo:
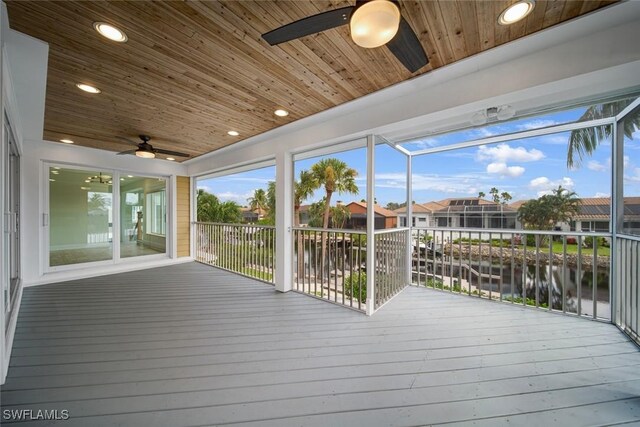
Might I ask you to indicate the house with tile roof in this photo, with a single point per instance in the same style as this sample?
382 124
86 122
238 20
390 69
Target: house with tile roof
384 218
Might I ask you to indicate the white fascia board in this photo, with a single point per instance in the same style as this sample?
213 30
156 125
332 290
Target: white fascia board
28 61
595 42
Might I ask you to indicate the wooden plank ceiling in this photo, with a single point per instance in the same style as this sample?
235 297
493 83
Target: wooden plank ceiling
191 71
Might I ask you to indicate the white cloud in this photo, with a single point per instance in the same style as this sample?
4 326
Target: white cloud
596 166
599 194
536 124
544 185
236 197
502 169
553 139
423 143
503 153
447 184
484 133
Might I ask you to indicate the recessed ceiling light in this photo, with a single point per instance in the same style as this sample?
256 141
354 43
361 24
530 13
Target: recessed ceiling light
87 88
170 159
281 113
110 32
55 172
56 168
233 133
66 141
129 176
52 180
85 188
121 179
516 12
87 181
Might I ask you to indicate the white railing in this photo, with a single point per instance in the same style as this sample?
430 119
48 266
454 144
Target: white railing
560 271
627 288
245 249
390 264
331 265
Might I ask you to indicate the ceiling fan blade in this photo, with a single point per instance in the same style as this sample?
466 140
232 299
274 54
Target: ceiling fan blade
127 140
127 152
171 153
407 47
310 25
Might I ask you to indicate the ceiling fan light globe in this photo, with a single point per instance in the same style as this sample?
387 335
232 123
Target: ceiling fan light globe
374 23
145 154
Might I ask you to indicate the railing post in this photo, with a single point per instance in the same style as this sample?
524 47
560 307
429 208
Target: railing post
371 238
409 261
284 214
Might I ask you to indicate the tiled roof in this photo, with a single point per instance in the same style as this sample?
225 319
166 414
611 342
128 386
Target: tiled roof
377 209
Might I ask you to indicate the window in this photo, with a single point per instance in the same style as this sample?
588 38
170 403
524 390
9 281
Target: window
156 209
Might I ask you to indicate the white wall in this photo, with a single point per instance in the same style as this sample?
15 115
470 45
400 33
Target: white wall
34 187
590 56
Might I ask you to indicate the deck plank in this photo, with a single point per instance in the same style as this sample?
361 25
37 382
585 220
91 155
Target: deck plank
193 345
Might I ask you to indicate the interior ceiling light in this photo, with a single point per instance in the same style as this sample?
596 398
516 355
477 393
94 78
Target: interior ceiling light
281 113
52 180
55 172
171 159
85 188
145 154
110 32
100 178
233 133
516 12
66 141
374 23
87 88
129 176
493 114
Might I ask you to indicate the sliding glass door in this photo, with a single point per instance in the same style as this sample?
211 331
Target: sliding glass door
11 238
143 216
80 216
91 220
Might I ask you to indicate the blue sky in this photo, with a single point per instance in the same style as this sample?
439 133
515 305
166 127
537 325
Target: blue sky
526 168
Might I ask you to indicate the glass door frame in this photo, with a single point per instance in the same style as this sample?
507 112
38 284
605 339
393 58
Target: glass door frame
116 174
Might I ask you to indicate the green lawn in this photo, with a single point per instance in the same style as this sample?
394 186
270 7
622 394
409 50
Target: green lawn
571 249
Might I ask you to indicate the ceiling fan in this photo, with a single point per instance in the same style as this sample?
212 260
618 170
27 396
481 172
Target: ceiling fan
146 150
372 23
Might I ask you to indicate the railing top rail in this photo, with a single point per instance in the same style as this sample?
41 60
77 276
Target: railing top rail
228 224
392 230
329 230
628 237
516 231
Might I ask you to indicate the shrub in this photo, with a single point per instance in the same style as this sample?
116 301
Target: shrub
355 286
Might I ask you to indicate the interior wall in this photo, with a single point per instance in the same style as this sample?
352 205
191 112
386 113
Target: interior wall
36 153
593 55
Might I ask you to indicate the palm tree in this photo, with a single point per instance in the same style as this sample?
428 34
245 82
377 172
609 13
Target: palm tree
271 202
339 216
336 176
258 202
583 142
210 209
302 190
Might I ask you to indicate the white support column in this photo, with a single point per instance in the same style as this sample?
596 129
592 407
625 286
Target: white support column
371 220
617 217
408 275
284 217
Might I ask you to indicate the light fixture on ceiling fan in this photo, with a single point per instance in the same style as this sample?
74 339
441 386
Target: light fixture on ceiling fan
146 150
373 23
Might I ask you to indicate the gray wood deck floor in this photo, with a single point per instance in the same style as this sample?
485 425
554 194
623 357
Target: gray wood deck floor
191 345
